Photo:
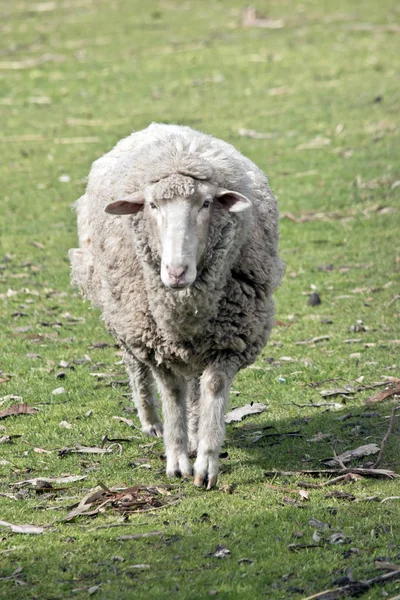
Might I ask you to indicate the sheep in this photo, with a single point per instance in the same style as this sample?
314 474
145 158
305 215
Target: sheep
178 236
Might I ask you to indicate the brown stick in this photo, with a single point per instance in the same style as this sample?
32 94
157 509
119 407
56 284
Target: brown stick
385 439
354 470
354 588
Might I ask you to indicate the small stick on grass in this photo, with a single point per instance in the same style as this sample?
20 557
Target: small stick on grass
312 404
386 437
354 588
339 460
355 470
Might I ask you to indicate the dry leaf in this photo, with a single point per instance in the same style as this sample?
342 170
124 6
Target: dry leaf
93 589
380 396
65 425
5 439
237 414
13 397
318 524
304 495
33 529
252 18
314 340
257 135
349 455
42 451
58 391
316 537
128 422
338 538
279 323
387 566
221 552
320 437
18 409
84 450
38 481
314 144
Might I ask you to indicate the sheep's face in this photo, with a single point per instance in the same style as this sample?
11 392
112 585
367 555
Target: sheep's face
179 210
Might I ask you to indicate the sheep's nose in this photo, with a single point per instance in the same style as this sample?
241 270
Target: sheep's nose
177 272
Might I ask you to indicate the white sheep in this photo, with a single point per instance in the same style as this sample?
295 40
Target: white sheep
178 237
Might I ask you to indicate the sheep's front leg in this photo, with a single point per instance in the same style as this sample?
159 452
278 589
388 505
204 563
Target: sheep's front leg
173 391
193 415
142 384
214 390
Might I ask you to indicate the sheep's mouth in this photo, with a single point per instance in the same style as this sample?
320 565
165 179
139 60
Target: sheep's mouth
178 286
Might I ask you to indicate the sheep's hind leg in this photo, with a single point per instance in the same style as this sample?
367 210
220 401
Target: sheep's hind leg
214 389
143 393
173 391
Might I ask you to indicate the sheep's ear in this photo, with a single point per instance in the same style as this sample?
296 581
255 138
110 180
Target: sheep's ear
130 205
232 201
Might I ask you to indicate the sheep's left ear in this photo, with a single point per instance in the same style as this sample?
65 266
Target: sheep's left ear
130 205
232 201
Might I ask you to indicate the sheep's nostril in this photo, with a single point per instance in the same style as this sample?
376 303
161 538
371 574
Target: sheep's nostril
177 272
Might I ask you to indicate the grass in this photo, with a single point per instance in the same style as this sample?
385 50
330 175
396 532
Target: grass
95 71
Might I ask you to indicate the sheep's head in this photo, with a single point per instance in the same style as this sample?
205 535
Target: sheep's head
179 209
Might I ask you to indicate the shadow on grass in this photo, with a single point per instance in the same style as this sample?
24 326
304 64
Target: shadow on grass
272 551
304 442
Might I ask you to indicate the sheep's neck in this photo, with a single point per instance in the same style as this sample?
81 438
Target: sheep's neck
184 313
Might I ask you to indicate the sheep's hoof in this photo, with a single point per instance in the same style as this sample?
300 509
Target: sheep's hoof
212 481
199 481
153 430
179 466
178 473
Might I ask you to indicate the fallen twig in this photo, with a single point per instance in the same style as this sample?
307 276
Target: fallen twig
355 587
110 525
138 536
314 340
384 473
317 383
346 478
8 550
397 297
316 404
390 498
386 437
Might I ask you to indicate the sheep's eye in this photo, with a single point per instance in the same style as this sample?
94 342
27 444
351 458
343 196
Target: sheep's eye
153 206
206 204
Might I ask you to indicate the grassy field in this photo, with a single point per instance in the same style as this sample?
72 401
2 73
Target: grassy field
310 92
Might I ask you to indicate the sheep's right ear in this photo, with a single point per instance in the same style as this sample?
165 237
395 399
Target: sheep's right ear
130 205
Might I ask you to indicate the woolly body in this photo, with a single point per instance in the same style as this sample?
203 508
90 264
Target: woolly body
224 318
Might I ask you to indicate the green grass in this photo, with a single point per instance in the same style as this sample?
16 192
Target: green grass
86 69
